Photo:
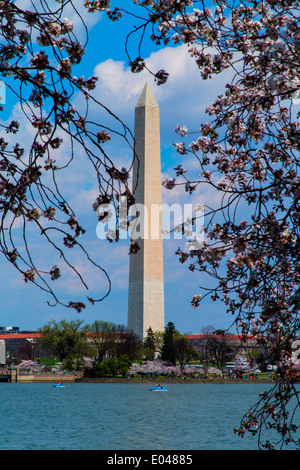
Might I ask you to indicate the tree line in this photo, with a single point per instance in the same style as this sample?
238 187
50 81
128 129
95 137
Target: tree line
112 348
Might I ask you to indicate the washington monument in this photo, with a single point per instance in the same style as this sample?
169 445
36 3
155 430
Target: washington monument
146 278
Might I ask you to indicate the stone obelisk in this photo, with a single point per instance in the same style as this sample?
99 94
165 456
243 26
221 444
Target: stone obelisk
146 278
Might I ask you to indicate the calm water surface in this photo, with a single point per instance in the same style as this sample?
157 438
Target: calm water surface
124 416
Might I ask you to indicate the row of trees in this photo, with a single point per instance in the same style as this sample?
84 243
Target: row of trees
111 347
177 347
72 341
69 342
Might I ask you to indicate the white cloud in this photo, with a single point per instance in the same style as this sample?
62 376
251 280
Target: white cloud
120 88
183 98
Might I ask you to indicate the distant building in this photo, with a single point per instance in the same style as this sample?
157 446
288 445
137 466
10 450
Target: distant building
234 342
2 353
9 329
18 344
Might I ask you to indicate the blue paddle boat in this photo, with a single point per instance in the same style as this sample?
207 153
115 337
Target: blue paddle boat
158 388
58 384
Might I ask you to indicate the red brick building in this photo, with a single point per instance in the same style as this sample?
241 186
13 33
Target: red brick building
21 344
234 342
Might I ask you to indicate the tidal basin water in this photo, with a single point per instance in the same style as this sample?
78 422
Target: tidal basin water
105 416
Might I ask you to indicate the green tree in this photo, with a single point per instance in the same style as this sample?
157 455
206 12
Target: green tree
184 351
64 339
167 352
103 336
73 362
219 350
149 345
159 341
129 344
110 367
124 364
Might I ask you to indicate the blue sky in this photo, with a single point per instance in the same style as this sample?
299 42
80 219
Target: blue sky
182 100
